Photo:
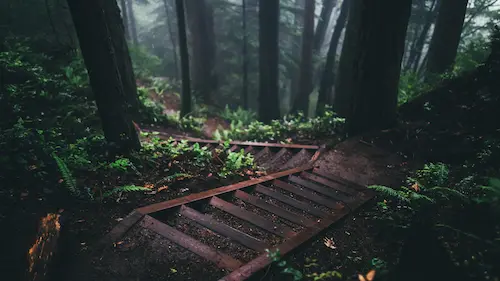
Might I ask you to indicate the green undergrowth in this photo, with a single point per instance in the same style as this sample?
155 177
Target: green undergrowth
459 204
243 126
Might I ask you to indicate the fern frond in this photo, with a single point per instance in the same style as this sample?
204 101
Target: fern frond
69 180
390 192
125 188
444 191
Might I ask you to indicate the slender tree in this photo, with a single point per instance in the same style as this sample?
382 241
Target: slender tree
100 57
323 22
201 26
244 53
375 37
446 37
133 24
183 48
169 23
306 66
269 14
328 75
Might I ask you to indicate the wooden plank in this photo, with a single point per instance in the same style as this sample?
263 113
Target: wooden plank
329 183
292 217
292 202
278 155
340 180
249 149
308 195
220 259
223 229
261 153
234 148
217 191
120 229
247 270
322 190
280 230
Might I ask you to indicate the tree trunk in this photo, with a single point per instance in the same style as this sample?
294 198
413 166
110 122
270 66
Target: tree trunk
444 44
306 66
244 94
123 7
328 76
201 26
296 52
183 48
323 22
373 48
133 24
100 59
417 47
269 12
123 60
171 36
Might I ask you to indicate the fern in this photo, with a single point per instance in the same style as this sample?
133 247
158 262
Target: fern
69 180
125 188
444 191
390 192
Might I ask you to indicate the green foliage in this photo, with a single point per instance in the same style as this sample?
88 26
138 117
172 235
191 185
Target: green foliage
125 188
69 180
241 116
287 269
411 86
236 161
490 194
144 63
433 174
289 127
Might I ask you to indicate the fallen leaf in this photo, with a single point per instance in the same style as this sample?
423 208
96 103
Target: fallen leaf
329 243
119 219
415 187
165 187
209 175
149 185
369 276
79 221
173 270
60 181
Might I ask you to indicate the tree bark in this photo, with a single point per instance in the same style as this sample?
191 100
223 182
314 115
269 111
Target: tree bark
100 59
183 48
201 26
244 94
171 36
417 48
328 75
306 66
444 43
373 48
323 22
269 12
133 24
123 7
296 52
124 62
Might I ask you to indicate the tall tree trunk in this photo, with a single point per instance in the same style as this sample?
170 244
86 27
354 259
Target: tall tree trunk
306 66
244 94
296 52
133 24
323 22
99 55
123 7
124 62
171 36
375 37
201 26
183 48
417 47
269 14
328 75
444 44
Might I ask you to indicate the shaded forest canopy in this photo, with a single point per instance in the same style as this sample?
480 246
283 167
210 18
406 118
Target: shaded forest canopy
91 91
